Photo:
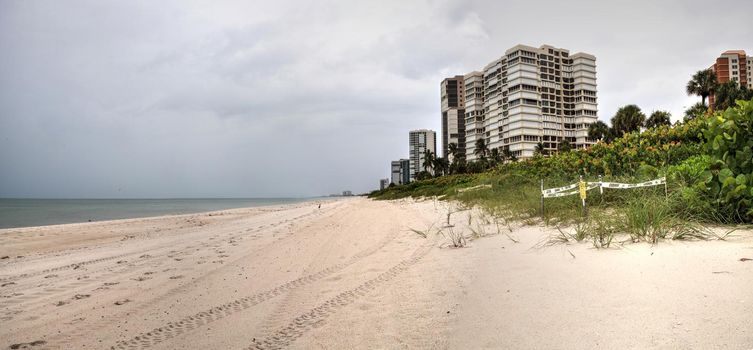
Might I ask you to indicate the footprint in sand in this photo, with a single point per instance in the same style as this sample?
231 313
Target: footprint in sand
77 320
51 276
111 283
121 302
141 279
61 303
81 296
28 345
7 284
176 277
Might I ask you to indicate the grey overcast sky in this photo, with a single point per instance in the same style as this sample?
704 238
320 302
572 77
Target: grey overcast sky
295 98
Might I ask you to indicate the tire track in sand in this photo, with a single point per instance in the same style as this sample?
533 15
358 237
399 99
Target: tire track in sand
61 284
69 339
190 323
76 265
284 336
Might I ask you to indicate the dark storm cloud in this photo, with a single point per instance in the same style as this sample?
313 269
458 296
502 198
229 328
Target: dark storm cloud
192 99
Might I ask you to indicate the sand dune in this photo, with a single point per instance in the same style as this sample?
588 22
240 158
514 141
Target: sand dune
353 275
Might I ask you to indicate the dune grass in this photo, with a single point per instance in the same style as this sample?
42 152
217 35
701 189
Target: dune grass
643 214
708 163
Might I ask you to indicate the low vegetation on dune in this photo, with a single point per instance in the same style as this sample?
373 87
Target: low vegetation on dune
707 161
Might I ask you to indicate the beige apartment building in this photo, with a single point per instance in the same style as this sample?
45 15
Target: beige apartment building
531 95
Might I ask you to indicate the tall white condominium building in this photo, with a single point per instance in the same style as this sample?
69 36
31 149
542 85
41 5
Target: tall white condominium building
474 111
531 95
453 115
418 142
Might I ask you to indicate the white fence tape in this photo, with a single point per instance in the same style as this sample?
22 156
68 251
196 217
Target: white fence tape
560 189
568 190
589 186
657 182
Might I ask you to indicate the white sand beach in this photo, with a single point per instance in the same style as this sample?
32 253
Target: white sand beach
352 274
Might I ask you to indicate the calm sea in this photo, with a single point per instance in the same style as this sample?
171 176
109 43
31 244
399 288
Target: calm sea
38 212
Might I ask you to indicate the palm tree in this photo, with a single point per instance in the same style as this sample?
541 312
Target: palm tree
481 151
440 166
452 150
598 130
539 149
627 119
727 93
702 84
564 146
658 118
458 166
507 154
458 159
495 157
695 111
428 160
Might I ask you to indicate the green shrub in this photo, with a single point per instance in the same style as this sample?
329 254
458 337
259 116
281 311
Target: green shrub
692 172
729 142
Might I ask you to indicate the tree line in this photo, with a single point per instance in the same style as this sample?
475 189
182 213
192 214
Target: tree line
455 162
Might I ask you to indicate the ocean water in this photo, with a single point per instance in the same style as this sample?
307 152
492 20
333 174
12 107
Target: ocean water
39 212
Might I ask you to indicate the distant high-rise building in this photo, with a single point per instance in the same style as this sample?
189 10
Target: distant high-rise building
530 96
418 142
733 65
395 172
383 183
400 171
404 171
453 114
